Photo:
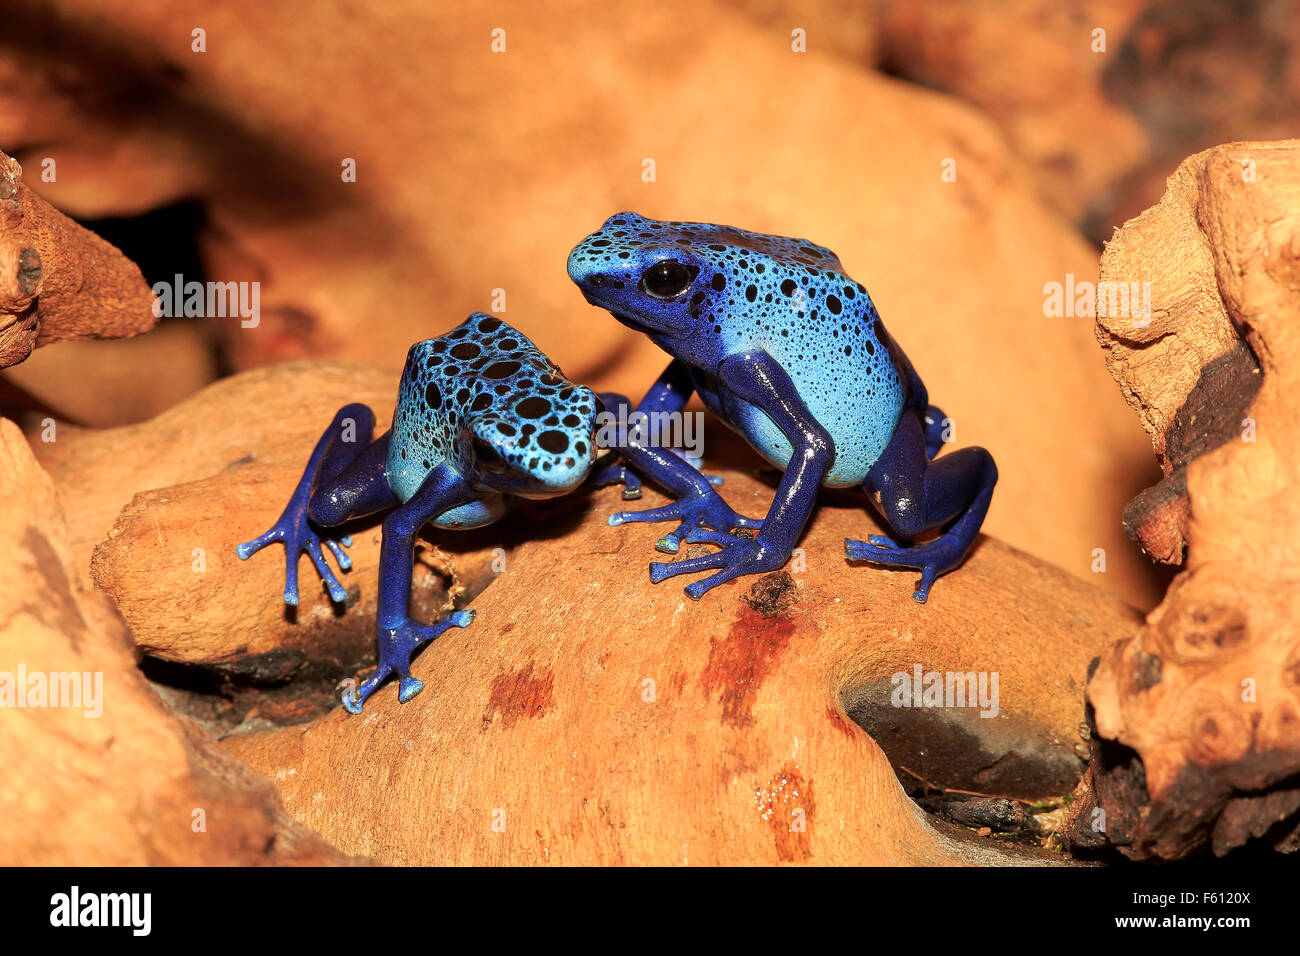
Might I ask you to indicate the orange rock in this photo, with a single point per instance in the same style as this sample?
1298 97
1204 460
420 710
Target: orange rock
1041 97
105 774
589 717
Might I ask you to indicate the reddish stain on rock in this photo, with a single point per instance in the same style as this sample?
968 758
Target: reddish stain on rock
785 803
842 723
741 661
520 694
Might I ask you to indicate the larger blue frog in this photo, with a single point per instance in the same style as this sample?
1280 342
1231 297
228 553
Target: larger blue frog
789 351
483 417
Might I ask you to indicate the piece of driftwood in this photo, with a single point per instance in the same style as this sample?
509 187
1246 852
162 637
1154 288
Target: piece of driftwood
590 717
59 281
1199 713
98 771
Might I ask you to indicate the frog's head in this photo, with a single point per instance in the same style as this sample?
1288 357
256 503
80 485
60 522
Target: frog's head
535 443
677 281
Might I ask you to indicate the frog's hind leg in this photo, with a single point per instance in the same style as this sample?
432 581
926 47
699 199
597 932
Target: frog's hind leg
915 494
338 483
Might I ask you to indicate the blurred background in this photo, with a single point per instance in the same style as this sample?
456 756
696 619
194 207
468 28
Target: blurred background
958 155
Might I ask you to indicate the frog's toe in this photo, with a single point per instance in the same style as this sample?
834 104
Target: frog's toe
698 589
709 536
631 486
337 592
291 579
671 543
932 559
877 547
661 570
249 548
355 698
671 512
408 687
462 618
617 475
922 592
336 548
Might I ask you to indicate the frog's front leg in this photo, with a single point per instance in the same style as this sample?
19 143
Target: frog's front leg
759 379
698 507
916 494
399 635
343 479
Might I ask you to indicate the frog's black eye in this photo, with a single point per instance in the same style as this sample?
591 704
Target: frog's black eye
667 279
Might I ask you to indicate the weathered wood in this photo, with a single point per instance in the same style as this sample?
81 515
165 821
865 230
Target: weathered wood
1206 698
112 776
589 717
59 281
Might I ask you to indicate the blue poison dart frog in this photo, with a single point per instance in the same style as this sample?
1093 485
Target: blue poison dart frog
787 350
483 418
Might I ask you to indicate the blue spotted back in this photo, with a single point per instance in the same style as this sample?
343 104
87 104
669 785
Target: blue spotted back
484 396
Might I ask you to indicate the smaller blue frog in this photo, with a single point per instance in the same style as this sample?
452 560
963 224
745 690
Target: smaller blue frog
483 418
789 351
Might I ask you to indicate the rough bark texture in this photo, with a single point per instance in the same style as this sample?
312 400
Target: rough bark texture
1207 696
59 281
134 784
587 716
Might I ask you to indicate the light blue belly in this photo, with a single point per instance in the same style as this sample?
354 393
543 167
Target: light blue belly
489 508
860 433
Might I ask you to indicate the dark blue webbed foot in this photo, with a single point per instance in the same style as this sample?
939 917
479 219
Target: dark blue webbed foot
917 492
299 537
396 645
704 519
932 559
344 444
